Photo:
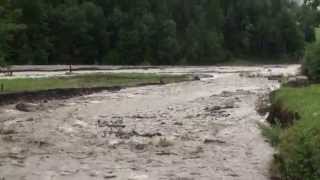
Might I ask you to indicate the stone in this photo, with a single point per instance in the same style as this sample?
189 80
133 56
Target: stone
162 81
27 107
196 78
297 81
138 145
109 176
214 108
30 119
263 105
213 141
178 123
7 131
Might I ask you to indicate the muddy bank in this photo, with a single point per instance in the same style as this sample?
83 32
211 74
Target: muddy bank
198 130
57 68
280 114
54 94
60 94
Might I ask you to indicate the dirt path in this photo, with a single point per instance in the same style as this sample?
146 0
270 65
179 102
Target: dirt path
193 130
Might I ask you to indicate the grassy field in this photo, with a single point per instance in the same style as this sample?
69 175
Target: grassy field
299 145
305 101
86 81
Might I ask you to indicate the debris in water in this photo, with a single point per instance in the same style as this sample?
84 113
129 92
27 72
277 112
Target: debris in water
210 141
27 107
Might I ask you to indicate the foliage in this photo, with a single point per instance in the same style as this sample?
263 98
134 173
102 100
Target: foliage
310 17
272 133
7 28
311 65
152 32
299 148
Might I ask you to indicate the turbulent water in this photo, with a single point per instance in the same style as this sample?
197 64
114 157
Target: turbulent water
201 130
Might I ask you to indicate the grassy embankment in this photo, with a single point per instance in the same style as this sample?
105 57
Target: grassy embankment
86 81
298 146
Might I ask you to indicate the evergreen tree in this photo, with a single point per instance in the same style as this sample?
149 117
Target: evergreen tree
152 31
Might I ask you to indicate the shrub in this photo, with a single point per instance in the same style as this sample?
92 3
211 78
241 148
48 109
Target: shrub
311 66
299 152
2 61
298 156
272 133
113 57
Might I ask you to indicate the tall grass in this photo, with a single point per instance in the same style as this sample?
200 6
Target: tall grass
272 133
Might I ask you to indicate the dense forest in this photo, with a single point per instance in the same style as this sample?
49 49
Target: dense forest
160 32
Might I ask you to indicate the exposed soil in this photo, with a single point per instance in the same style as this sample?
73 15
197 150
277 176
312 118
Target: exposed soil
54 94
201 130
281 115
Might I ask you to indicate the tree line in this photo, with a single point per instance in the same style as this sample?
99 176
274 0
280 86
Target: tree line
165 32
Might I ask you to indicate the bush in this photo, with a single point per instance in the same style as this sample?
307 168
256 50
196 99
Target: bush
113 57
2 61
298 156
311 66
272 133
299 152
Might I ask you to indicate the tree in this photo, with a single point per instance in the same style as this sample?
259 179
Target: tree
168 45
97 32
153 32
308 18
8 27
314 4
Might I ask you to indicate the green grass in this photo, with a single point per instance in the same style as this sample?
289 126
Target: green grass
299 146
305 101
272 133
85 81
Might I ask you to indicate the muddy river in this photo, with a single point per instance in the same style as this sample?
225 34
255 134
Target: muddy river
199 130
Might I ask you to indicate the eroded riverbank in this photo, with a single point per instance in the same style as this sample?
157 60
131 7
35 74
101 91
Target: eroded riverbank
191 130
